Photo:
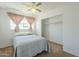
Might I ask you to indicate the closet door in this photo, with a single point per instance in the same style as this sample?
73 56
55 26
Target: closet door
55 29
55 32
52 29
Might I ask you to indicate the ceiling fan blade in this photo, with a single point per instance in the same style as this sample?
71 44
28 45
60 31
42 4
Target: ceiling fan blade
38 4
38 10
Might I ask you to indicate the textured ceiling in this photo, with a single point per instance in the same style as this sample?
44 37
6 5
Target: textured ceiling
18 6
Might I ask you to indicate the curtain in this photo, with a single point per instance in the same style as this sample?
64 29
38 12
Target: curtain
16 19
30 21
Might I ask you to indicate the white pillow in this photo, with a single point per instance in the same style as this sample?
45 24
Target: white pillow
23 33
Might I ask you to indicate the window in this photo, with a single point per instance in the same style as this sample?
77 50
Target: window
24 25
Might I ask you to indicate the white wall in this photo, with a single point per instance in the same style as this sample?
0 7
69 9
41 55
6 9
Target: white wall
38 26
71 30
5 34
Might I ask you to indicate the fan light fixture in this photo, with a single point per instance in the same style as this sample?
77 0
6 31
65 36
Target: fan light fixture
33 10
34 7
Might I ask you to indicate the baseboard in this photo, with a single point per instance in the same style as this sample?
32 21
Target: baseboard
6 46
55 43
70 54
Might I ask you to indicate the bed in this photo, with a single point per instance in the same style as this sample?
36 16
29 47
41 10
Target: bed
29 45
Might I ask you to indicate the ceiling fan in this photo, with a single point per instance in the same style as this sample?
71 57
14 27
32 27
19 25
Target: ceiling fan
34 6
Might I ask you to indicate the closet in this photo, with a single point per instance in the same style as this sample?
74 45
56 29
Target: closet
52 31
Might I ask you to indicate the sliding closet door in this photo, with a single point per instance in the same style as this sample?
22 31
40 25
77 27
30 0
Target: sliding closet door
53 29
56 32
